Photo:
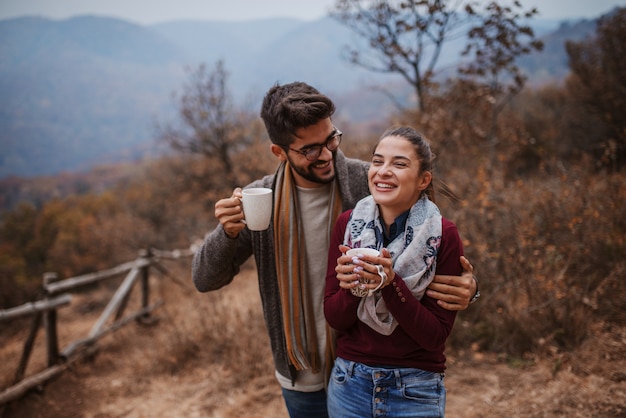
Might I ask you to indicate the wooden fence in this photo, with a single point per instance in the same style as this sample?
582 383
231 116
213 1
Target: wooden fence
57 294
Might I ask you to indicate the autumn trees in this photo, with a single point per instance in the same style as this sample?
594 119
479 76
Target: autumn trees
598 85
582 118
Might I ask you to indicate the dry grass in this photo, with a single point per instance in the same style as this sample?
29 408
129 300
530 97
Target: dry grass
208 356
549 252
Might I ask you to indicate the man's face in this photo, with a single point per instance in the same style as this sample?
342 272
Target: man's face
310 174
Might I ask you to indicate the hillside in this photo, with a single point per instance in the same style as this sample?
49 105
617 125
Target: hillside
551 64
207 357
90 90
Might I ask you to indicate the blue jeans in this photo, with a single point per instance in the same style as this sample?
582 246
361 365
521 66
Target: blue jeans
357 390
305 404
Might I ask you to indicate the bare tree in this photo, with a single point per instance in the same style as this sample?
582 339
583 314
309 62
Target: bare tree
212 129
404 37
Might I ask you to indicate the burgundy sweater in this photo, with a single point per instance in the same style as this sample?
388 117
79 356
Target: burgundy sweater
419 340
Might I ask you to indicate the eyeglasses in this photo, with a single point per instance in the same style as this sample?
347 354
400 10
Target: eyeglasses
312 152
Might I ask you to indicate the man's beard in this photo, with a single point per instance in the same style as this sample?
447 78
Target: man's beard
309 175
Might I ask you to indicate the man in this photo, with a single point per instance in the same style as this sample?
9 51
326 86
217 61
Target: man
313 184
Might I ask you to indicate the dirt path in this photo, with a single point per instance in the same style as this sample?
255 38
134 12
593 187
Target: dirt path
190 364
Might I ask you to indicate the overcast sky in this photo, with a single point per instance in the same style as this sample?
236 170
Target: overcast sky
155 11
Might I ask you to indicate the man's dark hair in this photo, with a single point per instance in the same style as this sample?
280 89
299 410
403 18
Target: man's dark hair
293 106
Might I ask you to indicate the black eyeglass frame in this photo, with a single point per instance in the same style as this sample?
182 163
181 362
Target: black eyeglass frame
312 152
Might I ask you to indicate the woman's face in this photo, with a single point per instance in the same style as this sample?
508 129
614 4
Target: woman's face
394 176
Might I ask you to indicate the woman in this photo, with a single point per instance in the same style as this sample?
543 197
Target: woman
390 342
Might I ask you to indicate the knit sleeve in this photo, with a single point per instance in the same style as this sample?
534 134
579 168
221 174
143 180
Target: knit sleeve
340 306
427 323
219 259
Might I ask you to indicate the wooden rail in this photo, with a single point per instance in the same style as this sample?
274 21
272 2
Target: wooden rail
56 295
34 308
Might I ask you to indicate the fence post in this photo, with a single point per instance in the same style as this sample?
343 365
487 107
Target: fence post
28 346
145 285
50 323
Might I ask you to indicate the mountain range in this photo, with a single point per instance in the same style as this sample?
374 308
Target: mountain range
89 90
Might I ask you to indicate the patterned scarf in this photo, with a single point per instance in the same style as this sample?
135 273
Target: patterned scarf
298 316
414 253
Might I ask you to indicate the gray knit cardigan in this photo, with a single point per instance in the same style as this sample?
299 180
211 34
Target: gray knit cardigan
220 257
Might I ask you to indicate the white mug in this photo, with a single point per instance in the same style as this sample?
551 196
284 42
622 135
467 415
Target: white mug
354 252
257 207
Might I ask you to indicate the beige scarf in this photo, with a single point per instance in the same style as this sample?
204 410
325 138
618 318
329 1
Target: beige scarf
298 316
